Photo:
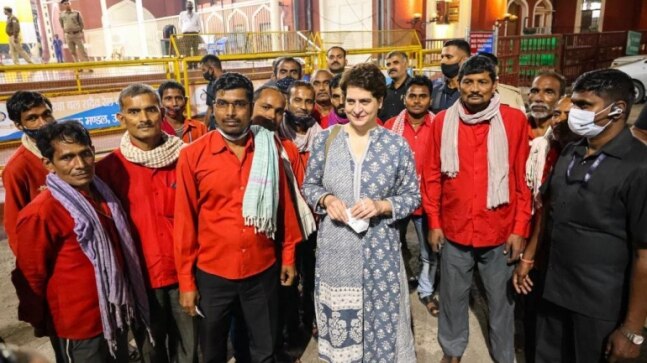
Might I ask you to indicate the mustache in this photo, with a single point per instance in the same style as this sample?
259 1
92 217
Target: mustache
145 124
539 105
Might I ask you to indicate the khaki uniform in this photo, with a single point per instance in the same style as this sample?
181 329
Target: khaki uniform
72 24
15 40
511 96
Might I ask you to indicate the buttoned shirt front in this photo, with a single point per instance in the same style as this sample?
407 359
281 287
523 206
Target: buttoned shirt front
211 234
597 215
190 22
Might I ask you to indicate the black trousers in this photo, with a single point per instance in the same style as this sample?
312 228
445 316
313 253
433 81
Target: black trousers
258 299
94 350
566 336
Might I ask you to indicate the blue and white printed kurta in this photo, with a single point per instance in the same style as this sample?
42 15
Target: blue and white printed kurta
361 298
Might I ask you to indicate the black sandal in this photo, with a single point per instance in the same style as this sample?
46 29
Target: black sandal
432 305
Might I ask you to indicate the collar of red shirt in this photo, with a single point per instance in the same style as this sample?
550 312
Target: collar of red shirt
425 122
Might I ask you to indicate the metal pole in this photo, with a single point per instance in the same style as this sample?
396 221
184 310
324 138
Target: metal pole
140 27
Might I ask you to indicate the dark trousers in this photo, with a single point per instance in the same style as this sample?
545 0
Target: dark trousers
94 350
174 331
566 336
258 299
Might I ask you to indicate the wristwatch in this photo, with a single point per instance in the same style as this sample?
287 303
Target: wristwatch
634 338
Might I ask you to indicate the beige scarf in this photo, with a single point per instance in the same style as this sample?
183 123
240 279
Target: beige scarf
30 145
163 155
498 192
536 163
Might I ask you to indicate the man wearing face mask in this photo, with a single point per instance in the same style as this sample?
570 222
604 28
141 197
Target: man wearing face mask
593 306
24 175
211 71
298 123
174 122
445 91
547 88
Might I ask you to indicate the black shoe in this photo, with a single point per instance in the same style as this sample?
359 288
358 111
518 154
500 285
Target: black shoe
413 282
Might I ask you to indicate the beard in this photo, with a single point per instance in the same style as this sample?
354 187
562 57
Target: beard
564 135
542 113
302 122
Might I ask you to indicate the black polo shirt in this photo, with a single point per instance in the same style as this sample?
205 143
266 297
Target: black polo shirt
393 102
597 216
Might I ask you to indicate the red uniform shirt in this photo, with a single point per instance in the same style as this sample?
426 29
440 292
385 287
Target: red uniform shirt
148 197
458 205
211 232
23 179
191 131
298 168
62 286
420 142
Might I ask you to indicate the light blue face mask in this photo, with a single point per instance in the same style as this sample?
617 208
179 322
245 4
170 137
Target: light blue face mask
582 122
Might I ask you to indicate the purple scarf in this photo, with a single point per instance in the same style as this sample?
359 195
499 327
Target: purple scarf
335 119
121 291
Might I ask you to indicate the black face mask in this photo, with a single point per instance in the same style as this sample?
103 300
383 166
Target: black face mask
303 122
450 70
31 133
208 76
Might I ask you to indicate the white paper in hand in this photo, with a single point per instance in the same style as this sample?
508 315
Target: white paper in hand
358 225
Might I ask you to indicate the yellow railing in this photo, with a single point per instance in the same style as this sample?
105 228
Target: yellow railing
251 52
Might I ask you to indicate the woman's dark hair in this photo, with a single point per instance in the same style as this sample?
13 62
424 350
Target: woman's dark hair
69 131
233 80
366 76
477 64
22 101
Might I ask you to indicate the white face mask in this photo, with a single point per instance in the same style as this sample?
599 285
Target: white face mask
582 122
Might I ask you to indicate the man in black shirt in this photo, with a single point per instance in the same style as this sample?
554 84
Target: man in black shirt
452 56
211 70
596 281
396 64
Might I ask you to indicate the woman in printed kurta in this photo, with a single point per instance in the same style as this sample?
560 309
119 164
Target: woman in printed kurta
361 298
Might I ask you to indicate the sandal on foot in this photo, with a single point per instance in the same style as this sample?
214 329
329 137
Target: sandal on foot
431 303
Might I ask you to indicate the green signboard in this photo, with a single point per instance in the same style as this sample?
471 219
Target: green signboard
633 42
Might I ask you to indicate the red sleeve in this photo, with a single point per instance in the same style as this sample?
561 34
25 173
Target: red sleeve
16 198
34 258
185 228
431 187
389 123
524 196
291 227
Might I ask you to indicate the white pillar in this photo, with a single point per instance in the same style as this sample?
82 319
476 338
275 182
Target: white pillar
141 29
275 23
107 32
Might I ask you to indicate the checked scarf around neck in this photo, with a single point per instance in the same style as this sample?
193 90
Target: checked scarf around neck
121 291
261 199
161 156
398 124
498 192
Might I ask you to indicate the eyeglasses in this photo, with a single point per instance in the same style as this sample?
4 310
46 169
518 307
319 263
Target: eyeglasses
238 105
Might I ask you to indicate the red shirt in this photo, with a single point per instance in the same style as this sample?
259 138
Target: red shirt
211 233
458 205
62 287
191 131
298 168
23 179
148 196
420 142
